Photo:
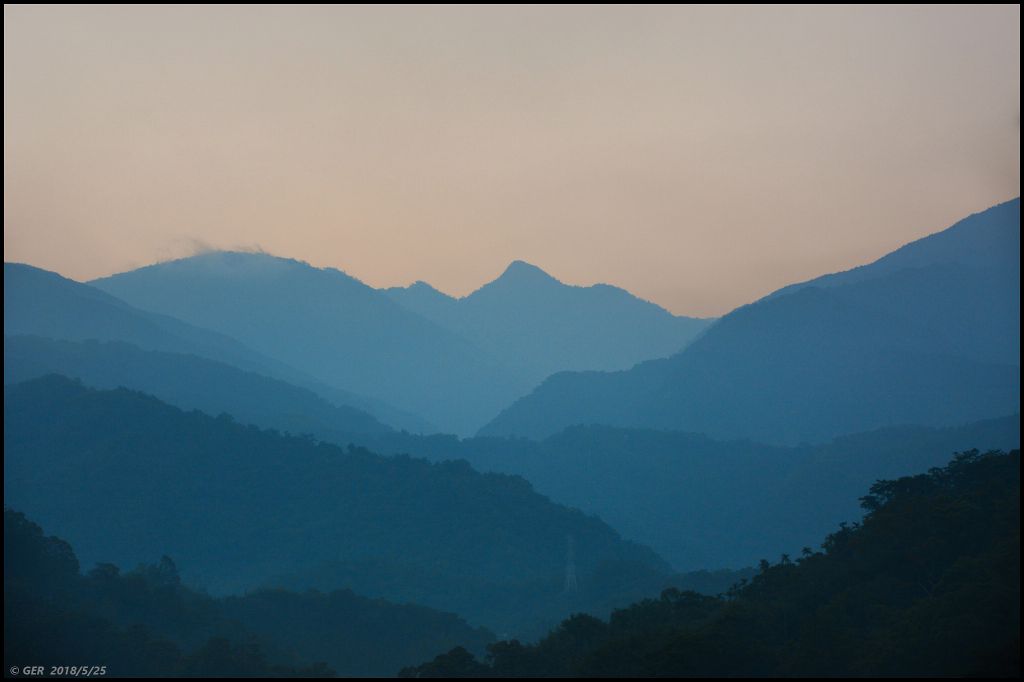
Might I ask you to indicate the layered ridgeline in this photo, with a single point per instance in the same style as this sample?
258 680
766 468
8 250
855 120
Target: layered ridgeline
544 326
44 304
928 585
145 622
456 362
333 326
126 477
189 382
705 503
928 335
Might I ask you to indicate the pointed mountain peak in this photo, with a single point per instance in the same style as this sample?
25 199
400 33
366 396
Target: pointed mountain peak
518 277
521 271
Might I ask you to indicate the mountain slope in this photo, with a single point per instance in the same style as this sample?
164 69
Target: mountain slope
935 342
544 326
332 326
704 503
186 381
989 240
126 477
44 304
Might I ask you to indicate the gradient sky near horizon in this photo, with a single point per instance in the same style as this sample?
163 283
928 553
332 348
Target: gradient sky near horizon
698 156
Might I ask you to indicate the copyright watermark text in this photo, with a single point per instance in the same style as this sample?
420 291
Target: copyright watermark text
57 671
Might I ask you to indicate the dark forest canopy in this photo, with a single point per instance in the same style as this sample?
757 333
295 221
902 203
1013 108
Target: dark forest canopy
146 623
927 585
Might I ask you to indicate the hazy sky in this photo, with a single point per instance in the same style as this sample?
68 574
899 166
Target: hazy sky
699 157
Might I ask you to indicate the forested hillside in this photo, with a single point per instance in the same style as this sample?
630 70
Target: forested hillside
927 585
145 622
127 477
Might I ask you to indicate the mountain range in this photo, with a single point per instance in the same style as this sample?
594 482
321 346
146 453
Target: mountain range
187 381
46 305
456 363
543 326
928 335
272 424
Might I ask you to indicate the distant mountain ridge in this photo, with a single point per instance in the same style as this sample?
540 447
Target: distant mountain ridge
188 382
457 362
330 325
986 240
44 304
928 335
544 326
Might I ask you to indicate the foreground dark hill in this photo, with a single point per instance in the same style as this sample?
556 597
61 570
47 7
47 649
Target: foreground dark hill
44 304
929 335
126 477
543 326
928 585
332 326
186 381
144 622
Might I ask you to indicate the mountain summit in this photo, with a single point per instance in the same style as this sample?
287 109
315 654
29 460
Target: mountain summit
540 325
521 273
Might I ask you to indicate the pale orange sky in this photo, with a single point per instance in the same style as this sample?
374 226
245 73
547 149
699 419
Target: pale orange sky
699 157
